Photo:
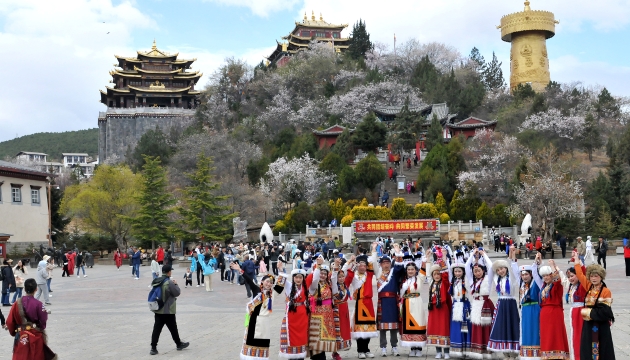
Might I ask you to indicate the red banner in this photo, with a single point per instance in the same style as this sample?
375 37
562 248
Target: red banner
393 226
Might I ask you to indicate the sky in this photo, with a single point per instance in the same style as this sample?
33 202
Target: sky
56 55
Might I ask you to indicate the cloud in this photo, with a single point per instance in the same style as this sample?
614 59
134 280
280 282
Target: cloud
259 7
567 69
56 59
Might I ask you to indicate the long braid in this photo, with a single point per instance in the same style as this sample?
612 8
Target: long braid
319 294
307 303
292 306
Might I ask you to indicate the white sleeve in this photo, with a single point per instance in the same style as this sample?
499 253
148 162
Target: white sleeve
333 280
489 267
313 288
469 274
514 278
537 279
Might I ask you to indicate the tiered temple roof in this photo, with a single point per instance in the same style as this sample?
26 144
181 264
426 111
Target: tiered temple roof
305 32
153 78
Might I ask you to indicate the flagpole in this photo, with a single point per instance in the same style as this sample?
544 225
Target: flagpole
395 48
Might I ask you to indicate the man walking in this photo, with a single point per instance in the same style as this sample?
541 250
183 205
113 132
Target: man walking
601 251
135 262
249 268
581 249
166 314
159 255
563 245
41 277
221 263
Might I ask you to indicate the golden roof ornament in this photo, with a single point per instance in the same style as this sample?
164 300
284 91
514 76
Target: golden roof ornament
312 15
527 8
157 85
154 47
305 18
321 18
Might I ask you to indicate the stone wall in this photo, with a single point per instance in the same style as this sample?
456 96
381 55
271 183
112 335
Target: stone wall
121 128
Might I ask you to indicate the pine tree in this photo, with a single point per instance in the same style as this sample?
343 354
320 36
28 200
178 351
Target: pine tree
426 78
440 204
478 62
370 134
360 42
591 138
344 146
434 135
152 222
406 129
202 214
493 75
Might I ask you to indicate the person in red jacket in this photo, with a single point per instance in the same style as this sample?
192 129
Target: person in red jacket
390 173
160 255
626 255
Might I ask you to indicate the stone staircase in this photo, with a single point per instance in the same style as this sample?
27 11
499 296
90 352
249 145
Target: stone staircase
390 186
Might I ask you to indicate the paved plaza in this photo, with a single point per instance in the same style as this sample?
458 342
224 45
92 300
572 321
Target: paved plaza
106 316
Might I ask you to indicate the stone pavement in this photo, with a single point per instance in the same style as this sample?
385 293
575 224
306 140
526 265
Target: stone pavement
106 316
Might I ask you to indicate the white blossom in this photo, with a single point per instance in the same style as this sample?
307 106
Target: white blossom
565 126
288 182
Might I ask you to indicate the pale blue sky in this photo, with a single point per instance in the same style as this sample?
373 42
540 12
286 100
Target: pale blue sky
57 54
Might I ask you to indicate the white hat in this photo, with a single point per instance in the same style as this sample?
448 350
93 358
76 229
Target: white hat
435 268
525 268
298 272
500 264
459 264
324 267
46 257
545 270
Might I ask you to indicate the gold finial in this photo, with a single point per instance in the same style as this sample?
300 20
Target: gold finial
305 16
321 18
154 47
527 8
313 15
285 47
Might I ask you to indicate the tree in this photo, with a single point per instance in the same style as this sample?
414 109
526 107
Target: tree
151 222
406 129
203 215
483 213
370 134
477 60
604 226
360 42
456 206
425 78
440 204
344 146
399 208
332 164
370 171
103 203
58 220
590 138
153 143
493 75
434 135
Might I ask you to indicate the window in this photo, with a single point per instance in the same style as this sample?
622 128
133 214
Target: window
320 34
305 33
16 193
336 35
35 195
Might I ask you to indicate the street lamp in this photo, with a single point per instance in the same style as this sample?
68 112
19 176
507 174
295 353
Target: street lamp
49 186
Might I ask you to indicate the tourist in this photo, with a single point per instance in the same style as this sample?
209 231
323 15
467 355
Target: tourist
196 266
390 173
166 314
297 259
388 284
159 255
529 294
26 322
589 250
439 305
295 323
208 263
273 260
385 198
553 335
168 258
220 259
228 258
64 258
118 259
626 255
20 273
257 339
136 261
155 266
460 316
50 266
581 248
81 264
598 315
412 309
41 277
575 294
563 245
359 274
482 308
602 248
505 334
342 314
8 281
250 269
322 316
71 261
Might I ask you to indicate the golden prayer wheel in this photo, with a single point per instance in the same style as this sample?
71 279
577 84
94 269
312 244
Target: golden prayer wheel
528 32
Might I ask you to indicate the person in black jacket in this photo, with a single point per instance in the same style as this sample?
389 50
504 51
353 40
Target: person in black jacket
8 282
221 263
602 248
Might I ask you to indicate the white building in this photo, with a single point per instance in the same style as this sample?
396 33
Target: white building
38 161
23 204
29 156
70 159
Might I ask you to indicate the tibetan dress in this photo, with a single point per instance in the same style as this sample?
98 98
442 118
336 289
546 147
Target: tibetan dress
413 312
440 305
574 296
322 333
360 286
481 310
341 296
506 333
460 319
529 295
258 324
293 330
553 332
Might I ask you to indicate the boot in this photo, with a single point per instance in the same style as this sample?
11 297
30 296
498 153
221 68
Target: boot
153 350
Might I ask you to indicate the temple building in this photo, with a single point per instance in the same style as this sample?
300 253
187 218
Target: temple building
528 32
305 32
153 89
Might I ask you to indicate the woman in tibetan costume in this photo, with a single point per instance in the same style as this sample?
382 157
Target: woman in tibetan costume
481 307
529 295
258 323
294 328
322 332
460 318
597 314
412 309
553 333
574 296
506 333
440 305
341 295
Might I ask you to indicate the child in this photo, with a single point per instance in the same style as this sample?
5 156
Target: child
188 277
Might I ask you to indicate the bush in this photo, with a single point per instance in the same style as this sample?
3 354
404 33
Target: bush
281 227
364 202
484 213
399 208
444 218
371 213
347 220
426 211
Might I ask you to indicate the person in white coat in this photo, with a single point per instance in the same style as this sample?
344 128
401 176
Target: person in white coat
589 250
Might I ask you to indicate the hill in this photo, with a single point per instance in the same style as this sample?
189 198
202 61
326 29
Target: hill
53 144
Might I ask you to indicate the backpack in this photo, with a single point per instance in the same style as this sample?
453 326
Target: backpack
155 299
